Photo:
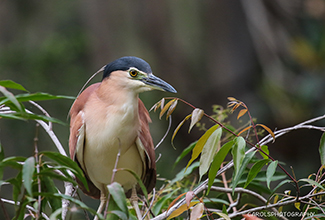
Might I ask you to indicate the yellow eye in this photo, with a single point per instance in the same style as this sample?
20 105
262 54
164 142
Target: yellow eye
133 73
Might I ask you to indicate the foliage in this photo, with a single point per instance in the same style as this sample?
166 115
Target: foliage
234 180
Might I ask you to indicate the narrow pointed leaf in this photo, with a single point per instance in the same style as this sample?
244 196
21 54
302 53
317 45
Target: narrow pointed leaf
197 114
321 149
11 98
223 215
235 107
12 85
268 130
156 106
209 150
312 182
171 108
256 168
231 99
242 168
178 127
270 172
200 144
28 172
181 209
245 129
217 161
66 161
162 104
238 153
175 200
241 113
166 107
184 153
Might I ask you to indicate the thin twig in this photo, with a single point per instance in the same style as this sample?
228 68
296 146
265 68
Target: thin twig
165 135
38 171
112 178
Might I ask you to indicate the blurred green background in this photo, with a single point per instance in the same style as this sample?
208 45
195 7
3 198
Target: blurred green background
269 54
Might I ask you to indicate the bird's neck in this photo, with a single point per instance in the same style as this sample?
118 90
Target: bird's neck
112 94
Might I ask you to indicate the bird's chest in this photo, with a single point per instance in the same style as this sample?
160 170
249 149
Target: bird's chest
112 128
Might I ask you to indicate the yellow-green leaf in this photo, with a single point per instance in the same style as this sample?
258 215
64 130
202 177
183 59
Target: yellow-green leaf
200 144
223 215
181 209
297 205
231 99
268 130
245 129
209 149
197 114
171 108
165 108
241 113
265 149
178 127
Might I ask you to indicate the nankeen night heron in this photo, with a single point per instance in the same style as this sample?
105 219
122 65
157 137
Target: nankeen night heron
107 118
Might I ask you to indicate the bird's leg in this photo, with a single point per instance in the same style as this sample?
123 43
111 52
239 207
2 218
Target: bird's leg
103 199
134 202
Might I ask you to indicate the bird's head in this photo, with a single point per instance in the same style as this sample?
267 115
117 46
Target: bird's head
136 74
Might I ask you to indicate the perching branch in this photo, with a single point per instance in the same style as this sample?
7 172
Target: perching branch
265 140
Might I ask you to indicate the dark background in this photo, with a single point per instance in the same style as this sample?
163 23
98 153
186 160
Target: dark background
269 54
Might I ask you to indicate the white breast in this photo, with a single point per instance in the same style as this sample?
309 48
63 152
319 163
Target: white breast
108 129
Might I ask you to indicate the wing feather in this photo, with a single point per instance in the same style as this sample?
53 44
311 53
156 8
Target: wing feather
77 138
149 178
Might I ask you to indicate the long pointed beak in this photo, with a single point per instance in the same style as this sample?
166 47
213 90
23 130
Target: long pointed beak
157 83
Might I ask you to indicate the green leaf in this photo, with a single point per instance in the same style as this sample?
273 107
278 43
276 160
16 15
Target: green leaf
184 172
66 161
270 172
184 153
238 153
12 85
49 172
279 185
40 96
118 194
119 214
200 144
161 202
217 161
28 172
2 154
312 182
266 150
142 186
242 168
209 150
49 186
71 199
255 169
322 149
29 116
9 97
